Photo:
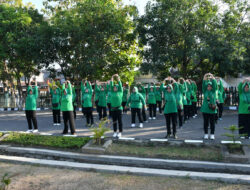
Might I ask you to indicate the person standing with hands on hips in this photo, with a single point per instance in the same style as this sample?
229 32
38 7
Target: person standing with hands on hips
30 106
137 101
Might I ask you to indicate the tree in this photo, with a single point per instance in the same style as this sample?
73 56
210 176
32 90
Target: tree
193 37
20 46
94 39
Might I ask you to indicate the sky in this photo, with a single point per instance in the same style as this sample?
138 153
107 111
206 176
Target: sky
139 3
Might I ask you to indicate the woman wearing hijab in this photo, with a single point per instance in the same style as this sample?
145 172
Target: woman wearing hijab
125 97
116 105
55 93
102 91
170 108
30 107
136 102
178 90
208 108
194 98
142 91
158 95
67 108
221 97
244 108
87 107
152 101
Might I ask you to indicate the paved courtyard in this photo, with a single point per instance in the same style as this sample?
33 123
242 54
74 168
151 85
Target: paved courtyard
193 129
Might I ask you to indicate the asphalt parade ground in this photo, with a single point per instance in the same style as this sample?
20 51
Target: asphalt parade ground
191 130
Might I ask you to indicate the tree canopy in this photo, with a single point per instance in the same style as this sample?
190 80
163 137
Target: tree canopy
193 37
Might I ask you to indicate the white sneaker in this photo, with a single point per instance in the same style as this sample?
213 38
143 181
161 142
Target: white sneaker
141 125
194 117
150 118
29 131
115 134
58 123
242 137
212 137
132 125
154 117
220 119
119 135
55 124
146 121
35 131
206 136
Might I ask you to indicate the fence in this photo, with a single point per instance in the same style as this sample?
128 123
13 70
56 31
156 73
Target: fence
44 100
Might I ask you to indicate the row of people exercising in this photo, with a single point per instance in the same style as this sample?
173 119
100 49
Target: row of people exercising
173 96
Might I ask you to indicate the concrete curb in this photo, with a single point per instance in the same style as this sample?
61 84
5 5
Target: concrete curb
228 178
127 160
96 150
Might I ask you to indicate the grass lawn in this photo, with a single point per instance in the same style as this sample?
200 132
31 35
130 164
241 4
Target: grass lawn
211 153
37 178
47 141
1 134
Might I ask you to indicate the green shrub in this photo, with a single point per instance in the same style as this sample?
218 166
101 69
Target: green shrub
51 141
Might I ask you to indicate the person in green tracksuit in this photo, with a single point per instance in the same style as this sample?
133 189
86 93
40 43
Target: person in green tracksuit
151 91
102 91
125 96
136 102
87 107
142 90
109 98
96 101
178 90
55 93
208 108
194 98
170 108
67 108
74 102
188 97
116 105
221 98
244 108
30 107
158 95
184 99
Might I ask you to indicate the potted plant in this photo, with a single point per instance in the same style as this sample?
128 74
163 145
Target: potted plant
100 131
97 144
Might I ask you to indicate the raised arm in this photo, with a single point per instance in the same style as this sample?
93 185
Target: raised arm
70 88
89 87
214 85
204 86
